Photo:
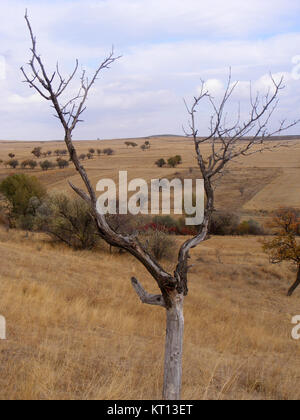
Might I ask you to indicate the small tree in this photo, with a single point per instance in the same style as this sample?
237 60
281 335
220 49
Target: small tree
11 155
285 246
178 159
99 151
13 163
108 151
89 156
173 162
62 163
32 164
92 151
46 165
37 152
160 163
24 164
82 156
224 142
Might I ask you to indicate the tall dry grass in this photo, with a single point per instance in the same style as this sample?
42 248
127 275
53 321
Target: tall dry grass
76 330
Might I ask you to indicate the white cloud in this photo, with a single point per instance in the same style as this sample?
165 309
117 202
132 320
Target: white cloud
167 47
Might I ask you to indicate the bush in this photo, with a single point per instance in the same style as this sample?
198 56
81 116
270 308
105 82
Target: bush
13 163
62 163
108 151
160 163
46 164
159 244
224 223
19 190
173 162
178 159
250 227
31 163
67 220
37 151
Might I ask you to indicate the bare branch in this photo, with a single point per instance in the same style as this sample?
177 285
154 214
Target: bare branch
146 297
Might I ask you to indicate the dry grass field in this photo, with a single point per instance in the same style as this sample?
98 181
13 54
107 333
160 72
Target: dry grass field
270 180
76 329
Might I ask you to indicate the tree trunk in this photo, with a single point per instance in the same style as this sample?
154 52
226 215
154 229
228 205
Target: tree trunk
173 351
296 284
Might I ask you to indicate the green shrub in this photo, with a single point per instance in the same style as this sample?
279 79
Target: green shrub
19 189
62 163
46 164
250 227
159 244
67 220
173 162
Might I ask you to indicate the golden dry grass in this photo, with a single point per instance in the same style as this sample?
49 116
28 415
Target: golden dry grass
76 329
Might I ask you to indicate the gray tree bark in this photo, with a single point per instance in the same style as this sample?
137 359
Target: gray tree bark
173 350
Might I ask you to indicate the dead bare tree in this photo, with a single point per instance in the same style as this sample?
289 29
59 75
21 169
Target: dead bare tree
226 144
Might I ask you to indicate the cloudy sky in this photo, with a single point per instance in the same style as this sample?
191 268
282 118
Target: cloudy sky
167 47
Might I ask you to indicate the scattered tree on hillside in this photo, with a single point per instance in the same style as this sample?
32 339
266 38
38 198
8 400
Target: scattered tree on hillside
285 246
13 163
37 152
47 164
62 163
172 161
108 151
11 155
160 163
225 142
29 162
130 143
